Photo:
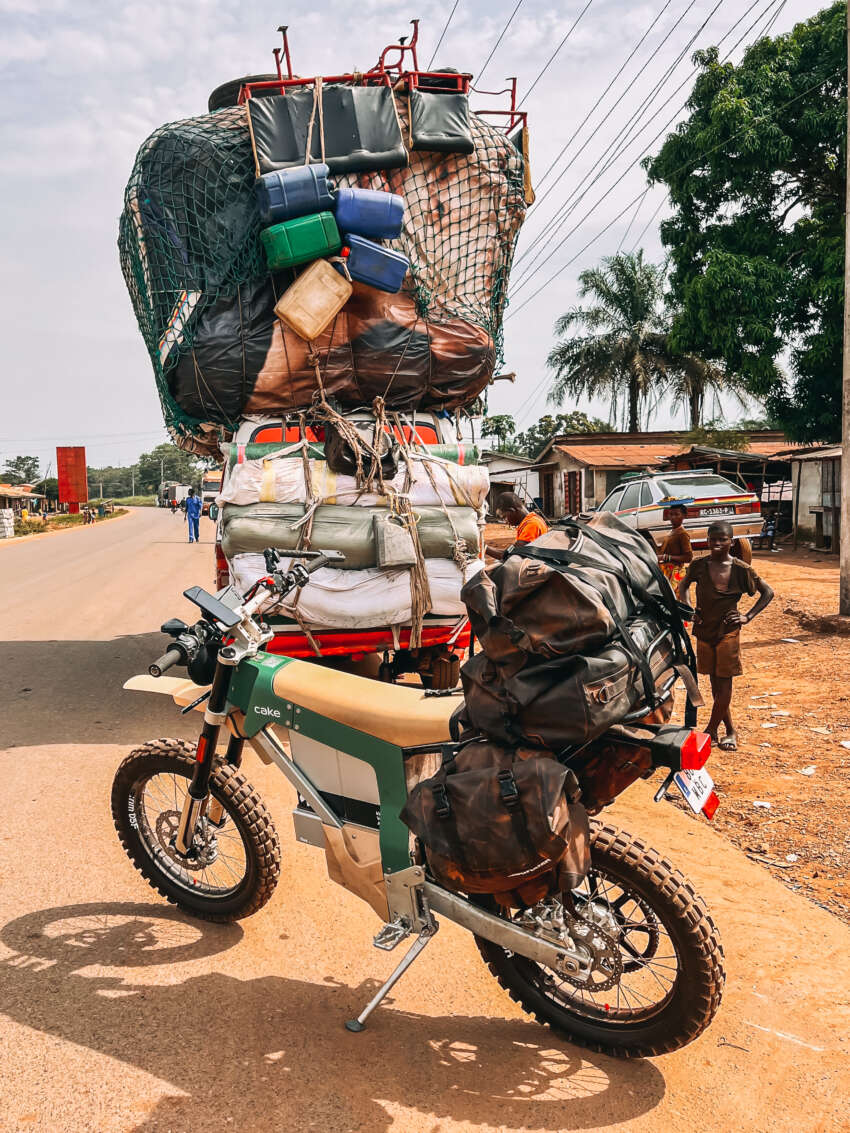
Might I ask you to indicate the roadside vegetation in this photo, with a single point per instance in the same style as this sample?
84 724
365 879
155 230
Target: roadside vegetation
127 501
35 525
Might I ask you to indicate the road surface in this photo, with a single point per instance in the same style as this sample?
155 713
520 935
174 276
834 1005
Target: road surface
120 1014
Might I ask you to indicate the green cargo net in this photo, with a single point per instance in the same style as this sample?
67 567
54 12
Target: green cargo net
203 296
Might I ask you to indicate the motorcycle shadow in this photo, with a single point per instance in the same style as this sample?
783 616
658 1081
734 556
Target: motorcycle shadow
272 1053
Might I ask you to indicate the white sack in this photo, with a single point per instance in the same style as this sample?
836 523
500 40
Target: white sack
362 599
282 481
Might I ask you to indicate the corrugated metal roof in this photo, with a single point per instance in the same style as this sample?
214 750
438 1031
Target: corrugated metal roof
630 454
618 456
829 452
17 492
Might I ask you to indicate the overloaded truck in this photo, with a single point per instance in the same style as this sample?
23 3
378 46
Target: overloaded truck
319 270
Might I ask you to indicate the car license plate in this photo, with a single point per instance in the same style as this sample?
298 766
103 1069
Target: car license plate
717 511
695 786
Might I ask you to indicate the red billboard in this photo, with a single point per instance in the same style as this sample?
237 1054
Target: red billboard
71 471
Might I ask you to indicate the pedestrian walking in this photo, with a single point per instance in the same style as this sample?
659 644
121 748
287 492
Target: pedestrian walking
193 513
721 582
676 553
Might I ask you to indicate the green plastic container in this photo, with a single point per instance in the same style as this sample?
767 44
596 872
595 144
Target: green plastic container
300 240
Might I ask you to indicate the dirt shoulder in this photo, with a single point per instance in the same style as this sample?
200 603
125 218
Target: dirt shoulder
792 711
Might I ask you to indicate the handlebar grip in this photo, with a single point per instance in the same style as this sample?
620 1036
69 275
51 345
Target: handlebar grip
172 656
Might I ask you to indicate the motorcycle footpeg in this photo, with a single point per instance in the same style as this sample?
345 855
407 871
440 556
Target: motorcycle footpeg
392 934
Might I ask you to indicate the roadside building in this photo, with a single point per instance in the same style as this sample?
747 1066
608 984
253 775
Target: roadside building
510 473
577 470
20 496
816 490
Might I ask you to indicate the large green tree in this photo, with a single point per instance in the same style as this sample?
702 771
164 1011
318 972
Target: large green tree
625 351
21 470
756 179
535 438
168 462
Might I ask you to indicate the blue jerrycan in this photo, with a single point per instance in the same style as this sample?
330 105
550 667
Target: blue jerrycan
369 212
370 263
286 193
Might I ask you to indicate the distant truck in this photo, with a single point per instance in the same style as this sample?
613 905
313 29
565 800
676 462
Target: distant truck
210 487
169 491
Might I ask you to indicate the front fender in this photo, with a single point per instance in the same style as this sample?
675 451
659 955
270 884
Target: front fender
181 690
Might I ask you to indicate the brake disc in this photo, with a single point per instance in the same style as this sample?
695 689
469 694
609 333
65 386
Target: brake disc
204 850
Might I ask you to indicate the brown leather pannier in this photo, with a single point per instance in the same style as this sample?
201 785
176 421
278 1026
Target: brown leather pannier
501 821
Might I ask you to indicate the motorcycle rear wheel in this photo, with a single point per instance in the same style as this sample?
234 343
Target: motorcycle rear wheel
236 866
664 930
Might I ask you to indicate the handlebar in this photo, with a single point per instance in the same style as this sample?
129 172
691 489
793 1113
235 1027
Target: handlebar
172 656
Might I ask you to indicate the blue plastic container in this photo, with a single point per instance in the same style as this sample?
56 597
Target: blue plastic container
287 193
369 212
370 263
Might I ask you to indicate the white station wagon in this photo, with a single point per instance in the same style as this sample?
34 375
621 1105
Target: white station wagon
641 500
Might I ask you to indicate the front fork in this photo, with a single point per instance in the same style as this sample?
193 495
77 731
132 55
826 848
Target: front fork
198 802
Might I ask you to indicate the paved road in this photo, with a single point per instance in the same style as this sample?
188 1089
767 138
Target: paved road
118 1014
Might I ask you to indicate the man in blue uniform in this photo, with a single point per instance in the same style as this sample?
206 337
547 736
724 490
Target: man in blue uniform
193 512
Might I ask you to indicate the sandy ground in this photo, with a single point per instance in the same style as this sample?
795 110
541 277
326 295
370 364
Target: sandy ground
120 1014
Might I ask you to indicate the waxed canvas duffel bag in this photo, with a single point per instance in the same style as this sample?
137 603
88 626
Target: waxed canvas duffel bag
568 701
501 820
568 592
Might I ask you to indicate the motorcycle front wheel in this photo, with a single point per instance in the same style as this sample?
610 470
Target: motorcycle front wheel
671 966
234 863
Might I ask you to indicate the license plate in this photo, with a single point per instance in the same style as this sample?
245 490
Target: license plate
695 786
717 511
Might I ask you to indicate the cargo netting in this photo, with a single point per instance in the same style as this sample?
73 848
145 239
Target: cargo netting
203 296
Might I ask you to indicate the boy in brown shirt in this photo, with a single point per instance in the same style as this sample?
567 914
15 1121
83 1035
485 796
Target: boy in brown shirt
721 582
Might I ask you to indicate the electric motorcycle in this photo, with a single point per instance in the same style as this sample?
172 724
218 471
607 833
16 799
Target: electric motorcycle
629 963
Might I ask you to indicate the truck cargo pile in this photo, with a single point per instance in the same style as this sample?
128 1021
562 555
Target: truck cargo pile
325 250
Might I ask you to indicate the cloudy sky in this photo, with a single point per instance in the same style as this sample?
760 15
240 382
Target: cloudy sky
84 83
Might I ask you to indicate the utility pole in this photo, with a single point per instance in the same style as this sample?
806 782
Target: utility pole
844 590
132 480
161 471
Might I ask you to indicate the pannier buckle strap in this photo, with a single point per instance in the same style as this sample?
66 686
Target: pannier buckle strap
508 789
442 807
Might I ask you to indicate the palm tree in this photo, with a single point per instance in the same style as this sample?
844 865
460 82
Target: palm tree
627 347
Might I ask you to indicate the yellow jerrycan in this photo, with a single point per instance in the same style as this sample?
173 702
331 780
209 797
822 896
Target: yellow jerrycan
314 299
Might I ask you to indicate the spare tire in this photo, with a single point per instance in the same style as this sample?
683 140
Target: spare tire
228 93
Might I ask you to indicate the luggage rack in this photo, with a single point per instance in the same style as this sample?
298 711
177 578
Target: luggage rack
391 71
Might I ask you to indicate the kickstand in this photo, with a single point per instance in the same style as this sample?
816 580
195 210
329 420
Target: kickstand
359 1023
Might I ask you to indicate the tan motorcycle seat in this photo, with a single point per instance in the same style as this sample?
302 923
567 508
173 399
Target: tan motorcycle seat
397 714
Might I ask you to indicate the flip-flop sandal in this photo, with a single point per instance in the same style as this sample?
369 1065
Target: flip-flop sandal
728 744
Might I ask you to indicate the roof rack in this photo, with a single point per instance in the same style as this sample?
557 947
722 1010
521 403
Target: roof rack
397 67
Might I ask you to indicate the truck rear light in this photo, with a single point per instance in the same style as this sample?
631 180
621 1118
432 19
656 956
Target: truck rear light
695 752
222 570
748 509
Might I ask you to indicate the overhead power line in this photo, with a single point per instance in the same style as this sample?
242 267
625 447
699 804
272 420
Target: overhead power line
622 143
691 161
583 123
554 54
562 213
443 33
502 35
572 203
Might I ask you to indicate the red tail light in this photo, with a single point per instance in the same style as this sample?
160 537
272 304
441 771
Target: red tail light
695 751
748 509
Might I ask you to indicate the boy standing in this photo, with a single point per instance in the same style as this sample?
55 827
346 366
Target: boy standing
511 510
721 582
